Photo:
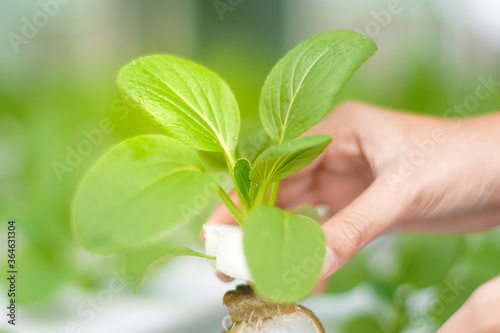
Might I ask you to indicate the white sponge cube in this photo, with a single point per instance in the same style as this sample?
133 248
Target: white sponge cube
225 242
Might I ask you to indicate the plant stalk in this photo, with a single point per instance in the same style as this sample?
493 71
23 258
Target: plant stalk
260 197
230 160
231 206
273 193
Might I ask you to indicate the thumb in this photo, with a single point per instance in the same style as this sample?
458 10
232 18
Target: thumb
371 213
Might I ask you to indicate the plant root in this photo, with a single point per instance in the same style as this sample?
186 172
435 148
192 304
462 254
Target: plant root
250 313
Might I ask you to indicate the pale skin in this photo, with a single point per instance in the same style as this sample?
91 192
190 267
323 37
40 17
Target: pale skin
394 170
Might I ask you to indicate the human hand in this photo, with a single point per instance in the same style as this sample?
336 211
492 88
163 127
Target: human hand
395 170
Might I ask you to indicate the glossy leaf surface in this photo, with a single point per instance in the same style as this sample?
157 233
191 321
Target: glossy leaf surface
303 85
283 160
191 103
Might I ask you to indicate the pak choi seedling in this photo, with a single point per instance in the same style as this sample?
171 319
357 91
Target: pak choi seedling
135 193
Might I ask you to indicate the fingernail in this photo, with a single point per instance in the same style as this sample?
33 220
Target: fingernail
329 265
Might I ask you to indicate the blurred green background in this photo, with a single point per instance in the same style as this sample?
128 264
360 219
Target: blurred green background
58 65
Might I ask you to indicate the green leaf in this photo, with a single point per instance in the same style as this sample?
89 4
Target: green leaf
213 160
303 85
45 273
363 323
453 292
252 144
284 252
179 251
141 190
242 180
426 259
308 211
137 260
191 103
283 160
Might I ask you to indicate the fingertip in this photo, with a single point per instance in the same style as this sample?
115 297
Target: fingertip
224 277
330 264
320 287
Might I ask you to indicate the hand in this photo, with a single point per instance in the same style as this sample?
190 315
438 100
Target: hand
402 171
396 170
390 170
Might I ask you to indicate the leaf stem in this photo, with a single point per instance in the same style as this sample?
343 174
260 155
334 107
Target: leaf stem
243 202
230 160
231 206
273 193
260 197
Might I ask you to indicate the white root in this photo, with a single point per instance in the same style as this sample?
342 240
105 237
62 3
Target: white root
250 314
225 321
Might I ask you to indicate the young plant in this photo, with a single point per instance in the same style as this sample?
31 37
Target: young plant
137 192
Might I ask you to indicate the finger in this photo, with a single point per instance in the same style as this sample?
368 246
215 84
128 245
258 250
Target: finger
321 286
224 277
221 215
472 221
292 192
375 210
479 313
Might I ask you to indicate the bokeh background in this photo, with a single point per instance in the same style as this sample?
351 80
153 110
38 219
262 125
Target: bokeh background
58 62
